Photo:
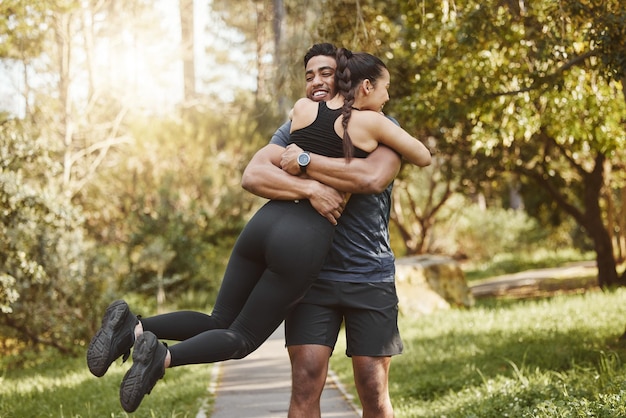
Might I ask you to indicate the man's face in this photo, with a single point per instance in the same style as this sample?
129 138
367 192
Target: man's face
320 78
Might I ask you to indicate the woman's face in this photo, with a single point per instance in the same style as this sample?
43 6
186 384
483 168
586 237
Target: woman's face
378 93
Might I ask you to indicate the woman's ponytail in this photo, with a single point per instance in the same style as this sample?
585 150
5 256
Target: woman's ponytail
343 80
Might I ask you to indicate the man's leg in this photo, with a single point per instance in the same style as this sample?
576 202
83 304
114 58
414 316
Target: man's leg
372 336
309 367
371 378
311 331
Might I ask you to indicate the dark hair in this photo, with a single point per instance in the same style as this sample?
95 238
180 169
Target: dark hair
352 69
320 49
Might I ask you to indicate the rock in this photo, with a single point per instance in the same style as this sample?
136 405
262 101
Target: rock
426 283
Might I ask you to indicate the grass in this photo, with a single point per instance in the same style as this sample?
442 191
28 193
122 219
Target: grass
554 357
63 387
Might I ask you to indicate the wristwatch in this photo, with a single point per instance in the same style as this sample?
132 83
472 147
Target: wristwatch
303 160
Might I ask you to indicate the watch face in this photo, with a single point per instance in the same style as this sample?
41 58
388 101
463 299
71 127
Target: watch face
304 158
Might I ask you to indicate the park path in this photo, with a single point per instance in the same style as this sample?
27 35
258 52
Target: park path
571 277
259 385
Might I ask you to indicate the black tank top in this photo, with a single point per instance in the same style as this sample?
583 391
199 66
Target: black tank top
320 137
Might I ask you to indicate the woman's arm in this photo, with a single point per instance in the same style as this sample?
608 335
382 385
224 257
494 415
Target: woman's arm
388 133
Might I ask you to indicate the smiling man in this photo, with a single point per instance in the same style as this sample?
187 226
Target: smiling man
320 78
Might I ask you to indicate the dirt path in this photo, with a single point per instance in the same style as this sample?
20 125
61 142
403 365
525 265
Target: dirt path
574 277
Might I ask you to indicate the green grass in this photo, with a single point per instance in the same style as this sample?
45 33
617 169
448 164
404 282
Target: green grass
558 357
63 387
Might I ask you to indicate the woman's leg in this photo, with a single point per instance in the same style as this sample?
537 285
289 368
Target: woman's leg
120 326
245 266
240 277
294 248
293 241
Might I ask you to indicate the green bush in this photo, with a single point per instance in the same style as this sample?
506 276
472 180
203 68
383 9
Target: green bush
482 233
44 288
466 230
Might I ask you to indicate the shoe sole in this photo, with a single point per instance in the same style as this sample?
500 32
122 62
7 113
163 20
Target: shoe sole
136 383
100 346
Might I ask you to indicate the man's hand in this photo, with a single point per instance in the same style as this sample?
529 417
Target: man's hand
289 159
328 202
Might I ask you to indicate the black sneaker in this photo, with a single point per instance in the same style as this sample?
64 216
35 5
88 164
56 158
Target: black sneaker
148 367
114 338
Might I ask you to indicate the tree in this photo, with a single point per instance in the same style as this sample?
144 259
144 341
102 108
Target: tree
507 90
276 33
520 88
418 198
73 125
176 187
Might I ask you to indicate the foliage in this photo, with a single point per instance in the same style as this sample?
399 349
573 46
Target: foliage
515 89
176 191
421 201
159 195
369 25
533 358
469 231
42 244
482 233
271 37
22 28
514 99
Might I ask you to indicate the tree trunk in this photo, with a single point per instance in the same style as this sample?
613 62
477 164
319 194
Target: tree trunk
264 45
590 218
607 271
64 48
592 222
621 222
187 48
280 66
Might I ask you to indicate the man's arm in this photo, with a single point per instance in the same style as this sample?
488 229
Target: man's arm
359 175
263 177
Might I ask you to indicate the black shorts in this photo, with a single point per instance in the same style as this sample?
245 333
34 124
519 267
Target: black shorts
370 311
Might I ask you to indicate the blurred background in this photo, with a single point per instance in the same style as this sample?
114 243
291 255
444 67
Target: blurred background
125 127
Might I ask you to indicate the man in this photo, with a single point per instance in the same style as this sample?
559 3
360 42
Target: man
357 282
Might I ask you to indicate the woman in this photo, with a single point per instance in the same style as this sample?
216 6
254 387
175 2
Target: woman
277 256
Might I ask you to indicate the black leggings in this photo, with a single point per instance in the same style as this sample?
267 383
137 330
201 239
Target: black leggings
274 262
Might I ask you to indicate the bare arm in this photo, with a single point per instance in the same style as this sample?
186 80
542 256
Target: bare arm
369 129
392 135
263 177
359 175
